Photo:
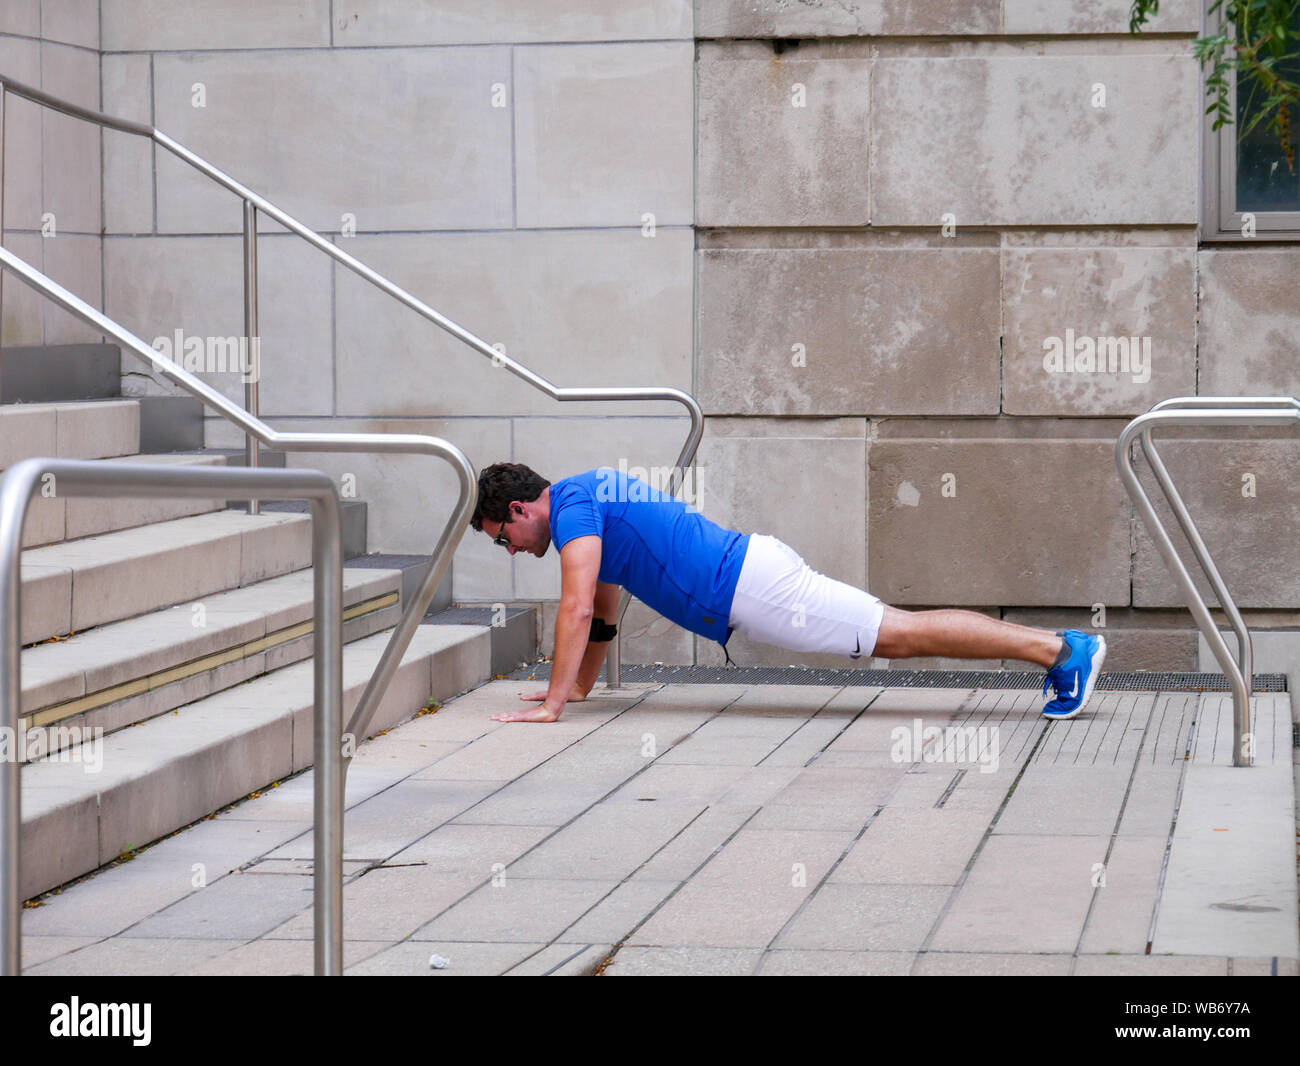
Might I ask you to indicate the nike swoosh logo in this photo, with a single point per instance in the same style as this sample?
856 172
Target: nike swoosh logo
856 653
1076 687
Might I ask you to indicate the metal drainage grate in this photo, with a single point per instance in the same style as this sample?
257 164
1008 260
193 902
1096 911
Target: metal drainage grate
1118 681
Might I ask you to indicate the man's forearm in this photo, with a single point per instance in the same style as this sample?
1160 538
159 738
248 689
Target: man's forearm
592 660
572 628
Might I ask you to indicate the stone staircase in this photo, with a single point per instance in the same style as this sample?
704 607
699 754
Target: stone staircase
166 663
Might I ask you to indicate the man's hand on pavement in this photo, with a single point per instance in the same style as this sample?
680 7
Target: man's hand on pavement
544 713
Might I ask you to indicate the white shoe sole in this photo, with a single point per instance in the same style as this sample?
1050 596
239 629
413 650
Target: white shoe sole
1098 657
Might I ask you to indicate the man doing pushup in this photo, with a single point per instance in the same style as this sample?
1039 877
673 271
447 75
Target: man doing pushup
613 530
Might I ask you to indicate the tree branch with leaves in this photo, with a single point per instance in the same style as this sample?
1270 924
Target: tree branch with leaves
1253 41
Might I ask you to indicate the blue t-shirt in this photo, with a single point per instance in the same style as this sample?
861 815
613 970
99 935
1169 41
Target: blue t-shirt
663 551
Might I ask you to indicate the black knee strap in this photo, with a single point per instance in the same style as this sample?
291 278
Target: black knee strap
602 631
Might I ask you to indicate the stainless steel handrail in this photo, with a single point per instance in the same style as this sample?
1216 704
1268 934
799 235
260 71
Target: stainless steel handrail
1202 411
254 203
80 477
320 442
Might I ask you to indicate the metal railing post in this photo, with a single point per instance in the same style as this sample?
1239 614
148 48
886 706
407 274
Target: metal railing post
1170 415
81 477
3 94
252 354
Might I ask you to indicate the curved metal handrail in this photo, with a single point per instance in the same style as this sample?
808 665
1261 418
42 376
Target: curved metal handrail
1245 649
320 442
85 477
499 358
1201 411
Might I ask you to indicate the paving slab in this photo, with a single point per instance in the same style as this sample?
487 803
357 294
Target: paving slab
236 907
1023 894
279 958
859 917
683 962
132 957
976 964
916 846
517 909
464 959
607 842
789 963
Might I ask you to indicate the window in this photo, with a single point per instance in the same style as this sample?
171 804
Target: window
1248 183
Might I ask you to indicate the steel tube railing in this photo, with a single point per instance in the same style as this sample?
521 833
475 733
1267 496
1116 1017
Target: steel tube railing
1195 411
93 478
252 355
258 203
1245 649
323 442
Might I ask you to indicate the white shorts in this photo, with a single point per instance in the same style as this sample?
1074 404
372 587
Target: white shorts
781 600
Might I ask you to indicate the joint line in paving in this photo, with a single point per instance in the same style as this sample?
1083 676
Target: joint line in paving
558 829
1114 835
853 843
1173 824
961 880
713 854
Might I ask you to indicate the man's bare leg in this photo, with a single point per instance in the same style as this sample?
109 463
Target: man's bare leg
958 634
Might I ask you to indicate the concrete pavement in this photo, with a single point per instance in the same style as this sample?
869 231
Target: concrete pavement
765 829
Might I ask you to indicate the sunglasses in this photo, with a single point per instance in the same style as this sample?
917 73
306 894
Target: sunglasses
500 538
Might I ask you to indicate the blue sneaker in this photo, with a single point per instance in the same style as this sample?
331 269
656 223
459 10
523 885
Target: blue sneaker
1074 678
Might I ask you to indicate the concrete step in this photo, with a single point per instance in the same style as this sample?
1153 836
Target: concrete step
93 429
90 804
126 672
513 629
57 372
72 586
51 520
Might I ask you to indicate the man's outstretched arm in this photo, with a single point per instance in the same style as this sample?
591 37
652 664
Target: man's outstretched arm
579 566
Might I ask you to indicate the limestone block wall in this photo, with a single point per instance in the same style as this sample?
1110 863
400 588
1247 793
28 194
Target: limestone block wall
905 213
52 215
883 243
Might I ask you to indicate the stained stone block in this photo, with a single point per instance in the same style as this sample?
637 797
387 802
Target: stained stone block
415 22
157 287
1241 495
1029 124
604 134
70 147
782 141
1095 17
1097 331
578 308
21 17
1248 341
422 147
128 161
74 262
71 22
960 522
154 25
828 18
21 61
853 331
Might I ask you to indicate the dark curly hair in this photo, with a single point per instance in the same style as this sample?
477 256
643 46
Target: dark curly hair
501 483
